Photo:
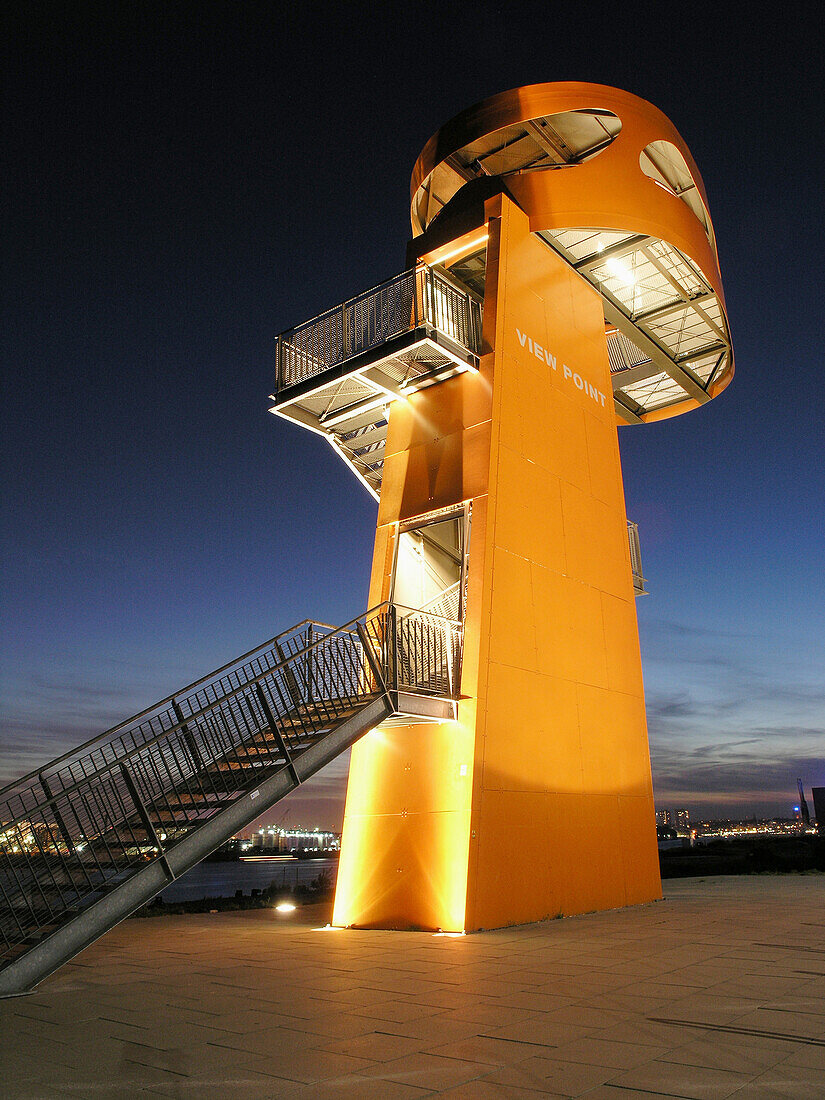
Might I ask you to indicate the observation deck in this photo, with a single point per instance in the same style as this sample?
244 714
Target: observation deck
609 185
338 373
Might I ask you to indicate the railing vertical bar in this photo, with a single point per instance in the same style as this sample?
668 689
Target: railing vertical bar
154 794
201 774
242 749
184 769
63 863
261 752
35 881
285 707
102 813
10 908
91 843
216 739
24 889
276 733
47 865
335 678
223 741
147 823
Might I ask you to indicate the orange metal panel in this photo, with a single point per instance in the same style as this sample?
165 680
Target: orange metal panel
560 691
610 191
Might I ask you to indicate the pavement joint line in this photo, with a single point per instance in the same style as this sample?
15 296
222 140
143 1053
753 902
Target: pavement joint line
731 1029
647 1092
135 1043
521 1042
791 947
123 1023
159 1069
792 1011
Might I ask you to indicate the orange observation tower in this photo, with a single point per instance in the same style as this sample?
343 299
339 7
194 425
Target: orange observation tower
562 280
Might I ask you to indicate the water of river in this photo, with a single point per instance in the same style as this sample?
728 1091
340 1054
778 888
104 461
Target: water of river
222 880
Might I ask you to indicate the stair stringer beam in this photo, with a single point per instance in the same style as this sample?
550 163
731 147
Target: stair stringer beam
22 975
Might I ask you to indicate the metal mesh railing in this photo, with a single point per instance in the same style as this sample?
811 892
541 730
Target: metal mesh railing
376 316
446 604
24 794
86 822
452 311
424 652
417 296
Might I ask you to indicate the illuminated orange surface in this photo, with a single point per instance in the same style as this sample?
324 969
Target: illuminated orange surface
555 813
538 801
608 191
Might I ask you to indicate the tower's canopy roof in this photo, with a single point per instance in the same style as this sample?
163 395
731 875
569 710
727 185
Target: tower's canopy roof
608 183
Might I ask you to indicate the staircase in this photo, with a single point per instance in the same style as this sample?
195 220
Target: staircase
97 833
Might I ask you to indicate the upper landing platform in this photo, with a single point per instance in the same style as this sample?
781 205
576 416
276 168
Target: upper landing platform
607 182
338 373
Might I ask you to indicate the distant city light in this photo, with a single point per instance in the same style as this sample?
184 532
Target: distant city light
285 907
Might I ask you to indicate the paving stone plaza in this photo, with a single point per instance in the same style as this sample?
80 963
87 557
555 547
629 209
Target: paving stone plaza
717 991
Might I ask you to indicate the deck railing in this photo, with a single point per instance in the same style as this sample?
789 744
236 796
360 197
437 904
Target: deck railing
419 296
636 558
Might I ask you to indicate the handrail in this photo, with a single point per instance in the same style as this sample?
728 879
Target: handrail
72 837
424 652
108 734
636 557
419 295
176 726
66 844
18 789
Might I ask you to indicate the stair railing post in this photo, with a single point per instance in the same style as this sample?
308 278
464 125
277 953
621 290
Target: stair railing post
189 740
310 655
145 820
372 661
293 688
276 733
58 816
392 631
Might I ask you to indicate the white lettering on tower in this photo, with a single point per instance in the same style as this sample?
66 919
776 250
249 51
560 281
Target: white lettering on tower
568 373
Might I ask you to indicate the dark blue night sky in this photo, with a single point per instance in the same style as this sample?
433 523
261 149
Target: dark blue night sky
182 182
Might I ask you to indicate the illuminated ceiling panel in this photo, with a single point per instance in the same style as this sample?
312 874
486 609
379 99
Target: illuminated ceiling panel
552 141
674 339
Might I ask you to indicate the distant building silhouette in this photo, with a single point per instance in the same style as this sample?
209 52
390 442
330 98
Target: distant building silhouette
803 805
819 808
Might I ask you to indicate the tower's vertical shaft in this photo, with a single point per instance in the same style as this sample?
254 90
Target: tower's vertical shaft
538 800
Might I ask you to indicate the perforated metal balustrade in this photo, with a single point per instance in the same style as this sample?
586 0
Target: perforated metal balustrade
418 296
